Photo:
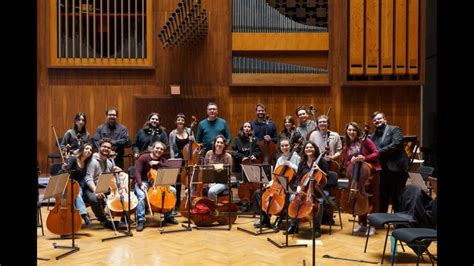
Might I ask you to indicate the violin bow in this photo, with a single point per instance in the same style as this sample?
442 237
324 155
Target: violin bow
57 143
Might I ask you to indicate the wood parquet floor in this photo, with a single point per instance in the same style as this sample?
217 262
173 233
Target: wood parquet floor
217 247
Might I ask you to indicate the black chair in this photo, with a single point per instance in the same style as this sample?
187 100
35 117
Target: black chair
332 182
380 219
418 239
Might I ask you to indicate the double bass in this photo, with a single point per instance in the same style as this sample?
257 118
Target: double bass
302 205
356 200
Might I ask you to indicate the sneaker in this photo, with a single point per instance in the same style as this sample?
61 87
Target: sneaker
359 229
371 232
140 226
87 220
317 232
171 220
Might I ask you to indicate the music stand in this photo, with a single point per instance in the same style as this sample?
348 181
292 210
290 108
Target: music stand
219 174
189 227
103 184
167 176
283 180
57 186
417 180
256 174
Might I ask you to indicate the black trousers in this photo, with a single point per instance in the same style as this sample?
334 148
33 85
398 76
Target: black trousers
391 188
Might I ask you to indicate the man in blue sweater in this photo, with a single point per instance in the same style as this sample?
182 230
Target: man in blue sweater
212 126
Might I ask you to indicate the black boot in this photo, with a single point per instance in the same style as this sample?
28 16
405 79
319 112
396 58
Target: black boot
87 219
317 231
276 225
293 228
265 221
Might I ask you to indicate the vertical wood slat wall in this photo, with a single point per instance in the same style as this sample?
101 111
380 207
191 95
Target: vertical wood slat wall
383 37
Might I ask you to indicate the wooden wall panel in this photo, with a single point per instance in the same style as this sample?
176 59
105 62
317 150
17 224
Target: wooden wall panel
400 36
356 37
372 37
202 72
413 36
386 34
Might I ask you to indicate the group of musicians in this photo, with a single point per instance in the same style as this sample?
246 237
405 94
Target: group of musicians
307 149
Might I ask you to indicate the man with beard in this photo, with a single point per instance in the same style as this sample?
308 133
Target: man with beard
393 159
117 133
100 163
265 129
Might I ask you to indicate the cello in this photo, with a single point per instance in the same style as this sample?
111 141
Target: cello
160 197
118 200
356 200
191 152
60 218
273 199
302 205
267 147
246 189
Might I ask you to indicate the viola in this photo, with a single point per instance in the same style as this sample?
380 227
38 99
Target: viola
117 201
60 218
161 198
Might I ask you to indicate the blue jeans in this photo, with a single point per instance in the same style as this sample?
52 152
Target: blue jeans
79 203
141 202
215 190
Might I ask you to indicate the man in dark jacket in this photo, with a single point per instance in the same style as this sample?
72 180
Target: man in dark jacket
393 159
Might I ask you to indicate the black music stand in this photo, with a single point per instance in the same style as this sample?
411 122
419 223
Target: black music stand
103 185
167 176
212 175
189 226
284 180
256 174
57 186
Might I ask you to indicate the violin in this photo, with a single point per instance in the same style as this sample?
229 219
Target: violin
117 200
356 200
60 218
302 205
268 148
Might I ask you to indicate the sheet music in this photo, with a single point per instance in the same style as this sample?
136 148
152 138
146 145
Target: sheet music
56 185
166 176
252 172
417 180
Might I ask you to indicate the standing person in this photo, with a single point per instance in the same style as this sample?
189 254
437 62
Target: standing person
245 149
217 155
357 150
145 162
76 136
306 125
100 163
311 153
290 159
152 131
179 137
116 133
289 131
393 159
76 167
326 139
212 126
265 130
